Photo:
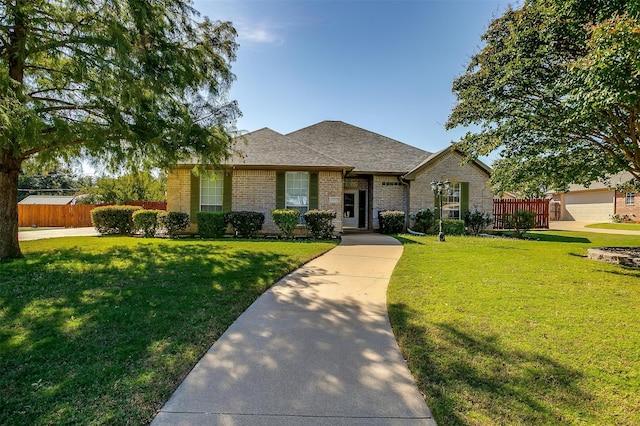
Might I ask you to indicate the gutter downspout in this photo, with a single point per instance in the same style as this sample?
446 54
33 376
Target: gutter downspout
406 185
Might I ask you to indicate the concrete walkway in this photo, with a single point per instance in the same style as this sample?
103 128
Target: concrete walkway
57 233
315 349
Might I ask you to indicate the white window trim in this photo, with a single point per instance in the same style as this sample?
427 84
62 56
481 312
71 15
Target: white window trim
302 208
218 176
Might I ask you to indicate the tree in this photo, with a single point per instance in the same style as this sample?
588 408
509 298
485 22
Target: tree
126 82
555 89
137 186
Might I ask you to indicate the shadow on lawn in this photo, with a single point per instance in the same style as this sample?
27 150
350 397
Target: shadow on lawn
553 238
119 327
472 378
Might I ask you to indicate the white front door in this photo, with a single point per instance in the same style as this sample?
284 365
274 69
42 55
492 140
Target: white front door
350 210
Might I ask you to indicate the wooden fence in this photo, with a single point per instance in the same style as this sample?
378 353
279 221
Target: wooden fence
68 216
540 206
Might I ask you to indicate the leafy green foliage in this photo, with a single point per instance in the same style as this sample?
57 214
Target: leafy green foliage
100 331
554 88
114 219
139 186
211 224
453 227
245 223
123 83
424 221
319 223
147 221
174 222
477 221
391 221
286 220
519 222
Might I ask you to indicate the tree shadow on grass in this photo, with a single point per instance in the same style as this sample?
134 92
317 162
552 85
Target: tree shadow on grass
559 238
119 326
470 377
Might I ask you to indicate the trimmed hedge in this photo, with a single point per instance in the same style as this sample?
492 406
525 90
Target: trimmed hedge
211 224
245 223
320 223
146 221
286 220
114 219
391 221
453 227
174 222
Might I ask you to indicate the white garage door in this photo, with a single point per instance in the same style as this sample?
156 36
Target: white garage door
594 206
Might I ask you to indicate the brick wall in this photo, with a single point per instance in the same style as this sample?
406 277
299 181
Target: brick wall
623 209
330 195
448 167
388 194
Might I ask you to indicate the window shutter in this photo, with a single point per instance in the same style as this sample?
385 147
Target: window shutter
281 182
313 191
436 207
227 191
195 197
464 198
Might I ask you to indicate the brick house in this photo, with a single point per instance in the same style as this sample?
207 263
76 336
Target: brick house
599 201
331 165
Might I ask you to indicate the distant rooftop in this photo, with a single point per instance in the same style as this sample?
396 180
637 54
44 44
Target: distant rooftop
47 199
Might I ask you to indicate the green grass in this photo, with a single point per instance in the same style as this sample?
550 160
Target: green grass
623 226
102 330
520 332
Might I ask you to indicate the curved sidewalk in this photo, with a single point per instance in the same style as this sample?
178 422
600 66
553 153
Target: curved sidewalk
315 349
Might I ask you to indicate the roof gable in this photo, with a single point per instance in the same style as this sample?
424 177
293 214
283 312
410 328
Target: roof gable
366 151
433 158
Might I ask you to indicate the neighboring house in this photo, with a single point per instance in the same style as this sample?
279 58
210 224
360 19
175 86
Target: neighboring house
47 200
599 201
331 165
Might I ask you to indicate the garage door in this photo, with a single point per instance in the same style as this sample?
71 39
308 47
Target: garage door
592 206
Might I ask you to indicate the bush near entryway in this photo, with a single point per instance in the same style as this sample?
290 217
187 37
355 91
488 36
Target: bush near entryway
114 219
174 222
211 224
286 220
320 223
453 227
391 221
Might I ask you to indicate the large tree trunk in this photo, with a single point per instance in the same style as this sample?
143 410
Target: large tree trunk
9 170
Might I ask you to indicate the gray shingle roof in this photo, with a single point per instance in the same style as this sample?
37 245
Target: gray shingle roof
47 199
266 147
366 151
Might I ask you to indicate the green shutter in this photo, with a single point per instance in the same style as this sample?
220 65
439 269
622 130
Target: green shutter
195 197
464 198
227 191
313 191
281 185
436 207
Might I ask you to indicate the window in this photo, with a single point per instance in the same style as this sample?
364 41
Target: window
630 198
451 202
211 190
297 193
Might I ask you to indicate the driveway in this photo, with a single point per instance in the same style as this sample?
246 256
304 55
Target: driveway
570 225
57 233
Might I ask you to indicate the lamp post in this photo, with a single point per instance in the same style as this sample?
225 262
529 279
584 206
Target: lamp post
438 189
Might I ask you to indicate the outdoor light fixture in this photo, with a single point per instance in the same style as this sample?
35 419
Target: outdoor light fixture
440 188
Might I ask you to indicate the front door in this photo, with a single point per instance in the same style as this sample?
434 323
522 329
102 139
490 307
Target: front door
350 210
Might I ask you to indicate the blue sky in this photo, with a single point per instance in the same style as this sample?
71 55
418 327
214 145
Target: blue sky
386 66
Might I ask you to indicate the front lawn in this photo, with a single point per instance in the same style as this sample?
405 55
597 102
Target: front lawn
623 226
102 330
502 331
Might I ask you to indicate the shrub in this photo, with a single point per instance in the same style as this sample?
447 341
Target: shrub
476 221
286 220
211 224
174 222
424 221
114 219
320 223
391 221
146 221
245 223
453 227
520 222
